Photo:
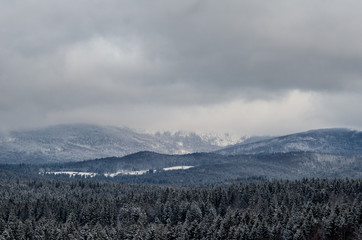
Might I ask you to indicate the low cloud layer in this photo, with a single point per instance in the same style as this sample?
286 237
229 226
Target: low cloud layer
245 67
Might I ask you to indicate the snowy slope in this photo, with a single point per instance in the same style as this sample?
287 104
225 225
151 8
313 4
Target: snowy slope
331 141
78 142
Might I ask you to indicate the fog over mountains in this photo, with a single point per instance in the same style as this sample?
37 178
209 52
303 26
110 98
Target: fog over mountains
332 141
124 155
77 142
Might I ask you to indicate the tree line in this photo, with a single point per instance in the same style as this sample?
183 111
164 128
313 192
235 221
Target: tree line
40 208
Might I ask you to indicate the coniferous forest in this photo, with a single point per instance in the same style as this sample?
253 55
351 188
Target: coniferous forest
44 208
178 120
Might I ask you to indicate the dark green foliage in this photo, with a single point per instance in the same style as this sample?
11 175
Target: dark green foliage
209 168
32 208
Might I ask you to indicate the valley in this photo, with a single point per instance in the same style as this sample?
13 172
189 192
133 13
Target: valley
325 153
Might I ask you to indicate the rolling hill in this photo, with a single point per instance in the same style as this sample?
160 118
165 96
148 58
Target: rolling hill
325 153
201 168
330 141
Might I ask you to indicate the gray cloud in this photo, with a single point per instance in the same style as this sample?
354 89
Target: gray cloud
62 58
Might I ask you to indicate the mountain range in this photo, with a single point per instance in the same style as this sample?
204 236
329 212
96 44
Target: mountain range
332 141
327 153
78 142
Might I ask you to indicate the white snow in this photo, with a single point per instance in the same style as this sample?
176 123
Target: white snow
182 151
72 174
221 140
63 143
90 174
140 172
58 149
126 172
177 168
10 139
81 145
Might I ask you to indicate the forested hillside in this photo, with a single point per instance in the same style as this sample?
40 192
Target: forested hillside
35 208
201 168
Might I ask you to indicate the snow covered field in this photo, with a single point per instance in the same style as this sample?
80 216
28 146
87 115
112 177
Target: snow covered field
177 168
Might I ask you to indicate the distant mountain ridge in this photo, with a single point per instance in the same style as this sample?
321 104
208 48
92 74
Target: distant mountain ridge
201 168
324 153
328 141
77 142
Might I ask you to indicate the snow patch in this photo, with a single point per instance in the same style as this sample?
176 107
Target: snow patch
221 140
81 145
10 139
72 174
182 151
58 149
177 168
126 172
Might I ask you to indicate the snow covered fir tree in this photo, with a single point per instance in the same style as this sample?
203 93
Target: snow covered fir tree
42 208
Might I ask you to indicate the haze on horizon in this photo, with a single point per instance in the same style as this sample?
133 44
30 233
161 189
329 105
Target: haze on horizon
244 67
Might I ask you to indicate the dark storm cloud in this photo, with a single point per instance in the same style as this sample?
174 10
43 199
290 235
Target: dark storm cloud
61 56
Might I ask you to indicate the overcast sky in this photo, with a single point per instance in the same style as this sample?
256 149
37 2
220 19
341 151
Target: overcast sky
247 67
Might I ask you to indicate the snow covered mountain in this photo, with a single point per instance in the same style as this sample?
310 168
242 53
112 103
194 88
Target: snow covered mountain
331 141
76 142
318 153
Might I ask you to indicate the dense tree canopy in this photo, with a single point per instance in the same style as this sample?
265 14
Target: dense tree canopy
33 208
